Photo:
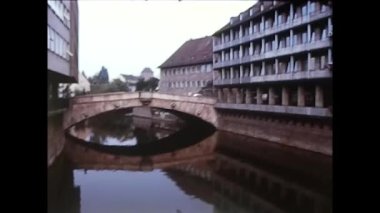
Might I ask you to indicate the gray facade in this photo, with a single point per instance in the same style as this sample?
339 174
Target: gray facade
185 80
276 57
62 43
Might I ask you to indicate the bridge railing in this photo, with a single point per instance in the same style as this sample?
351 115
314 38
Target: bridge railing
146 95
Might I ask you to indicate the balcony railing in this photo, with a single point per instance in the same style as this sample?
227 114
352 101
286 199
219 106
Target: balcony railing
309 111
325 43
273 30
300 75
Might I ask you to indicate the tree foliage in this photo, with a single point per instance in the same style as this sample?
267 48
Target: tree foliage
149 85
115 86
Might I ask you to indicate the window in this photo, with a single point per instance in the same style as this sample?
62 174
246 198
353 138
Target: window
324 34
287 41
256 28
58 45
268 47
67 49
323 8
246 31
61 11
312 7
66 18
52 41
60 52
289 67
48 38
280 19
304 10
304 37
203 68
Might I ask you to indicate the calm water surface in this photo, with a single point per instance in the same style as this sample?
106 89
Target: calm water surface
117 163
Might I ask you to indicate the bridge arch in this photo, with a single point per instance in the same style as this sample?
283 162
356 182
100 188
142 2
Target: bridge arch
84 107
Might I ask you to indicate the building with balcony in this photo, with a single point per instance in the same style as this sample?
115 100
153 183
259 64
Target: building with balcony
62 44
189 69
273 68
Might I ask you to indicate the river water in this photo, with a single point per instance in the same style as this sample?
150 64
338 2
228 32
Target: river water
117 163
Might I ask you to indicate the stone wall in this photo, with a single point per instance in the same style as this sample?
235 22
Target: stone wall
56 138
312 135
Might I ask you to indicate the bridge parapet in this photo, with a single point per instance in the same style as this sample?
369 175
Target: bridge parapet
203 100
104 97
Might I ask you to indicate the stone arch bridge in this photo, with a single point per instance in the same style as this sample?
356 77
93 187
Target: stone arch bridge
83 107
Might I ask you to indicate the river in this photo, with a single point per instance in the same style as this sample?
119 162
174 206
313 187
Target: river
118 163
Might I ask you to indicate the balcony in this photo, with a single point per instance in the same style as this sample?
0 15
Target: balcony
308 111
293 76
276 29
277 53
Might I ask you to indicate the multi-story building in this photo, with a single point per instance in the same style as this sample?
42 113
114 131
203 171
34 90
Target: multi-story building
273 72
188 69
62 44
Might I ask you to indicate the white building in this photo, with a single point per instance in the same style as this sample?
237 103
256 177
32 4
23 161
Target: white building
83 86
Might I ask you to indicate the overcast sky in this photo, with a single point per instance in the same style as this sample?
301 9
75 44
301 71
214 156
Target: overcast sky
126 36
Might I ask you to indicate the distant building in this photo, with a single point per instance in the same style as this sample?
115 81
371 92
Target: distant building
131 81
189 69
83 85
146 74
62 44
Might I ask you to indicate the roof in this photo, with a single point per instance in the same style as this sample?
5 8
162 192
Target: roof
193 51
130 77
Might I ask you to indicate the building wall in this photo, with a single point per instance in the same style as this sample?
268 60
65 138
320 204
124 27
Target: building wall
62 43
307 134
56 137
185 80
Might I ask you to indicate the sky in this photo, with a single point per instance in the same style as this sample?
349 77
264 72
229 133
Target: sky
126 36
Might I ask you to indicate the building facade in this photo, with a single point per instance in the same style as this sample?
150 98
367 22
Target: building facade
62 44
273 68
189 69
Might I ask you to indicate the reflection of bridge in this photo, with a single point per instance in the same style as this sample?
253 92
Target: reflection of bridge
98 160
83 107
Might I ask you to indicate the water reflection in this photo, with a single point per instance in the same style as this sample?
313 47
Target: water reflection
222 172
152 136
118 129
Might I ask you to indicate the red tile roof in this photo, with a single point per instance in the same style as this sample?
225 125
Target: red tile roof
193 51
